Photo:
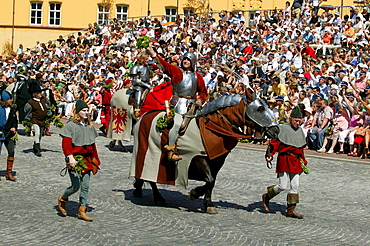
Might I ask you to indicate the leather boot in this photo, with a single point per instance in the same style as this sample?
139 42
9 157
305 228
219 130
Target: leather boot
46 132
9 169
82 214
267 197
62 205
293 199
37 149
172 154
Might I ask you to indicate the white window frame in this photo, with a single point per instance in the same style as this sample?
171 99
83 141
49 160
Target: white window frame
55 12
171 17
105 14
121 15
36 10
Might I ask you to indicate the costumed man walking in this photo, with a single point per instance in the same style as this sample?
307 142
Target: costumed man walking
188 89
8 128
290 145
36 112
78 138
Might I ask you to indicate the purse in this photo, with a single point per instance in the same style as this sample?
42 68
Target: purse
95 165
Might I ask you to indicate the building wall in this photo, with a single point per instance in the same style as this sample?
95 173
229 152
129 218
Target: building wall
77 14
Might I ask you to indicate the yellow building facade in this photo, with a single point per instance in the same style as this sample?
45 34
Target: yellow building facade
28 21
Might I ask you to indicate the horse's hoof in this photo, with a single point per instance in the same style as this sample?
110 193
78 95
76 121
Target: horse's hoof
111 144
137 193
192 195
211 210
161 203
122 149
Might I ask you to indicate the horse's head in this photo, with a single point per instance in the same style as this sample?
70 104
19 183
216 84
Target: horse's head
259 112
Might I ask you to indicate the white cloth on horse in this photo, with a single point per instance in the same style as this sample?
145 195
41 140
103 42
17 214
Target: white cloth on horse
120 124
189 146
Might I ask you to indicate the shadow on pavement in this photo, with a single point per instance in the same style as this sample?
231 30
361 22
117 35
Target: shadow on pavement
72 209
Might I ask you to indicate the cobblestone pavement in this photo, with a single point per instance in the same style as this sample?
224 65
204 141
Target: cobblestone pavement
334 198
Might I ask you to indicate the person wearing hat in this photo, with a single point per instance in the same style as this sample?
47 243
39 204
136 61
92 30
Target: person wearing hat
78 138
8 128
290 146
36 112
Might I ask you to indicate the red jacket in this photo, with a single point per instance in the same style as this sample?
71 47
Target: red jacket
175 73
287 162
88 151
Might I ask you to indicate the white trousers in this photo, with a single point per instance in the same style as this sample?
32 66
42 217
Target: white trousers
285 179
343 135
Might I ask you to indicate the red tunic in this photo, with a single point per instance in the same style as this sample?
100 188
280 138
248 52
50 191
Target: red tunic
88 151
175 74
285 161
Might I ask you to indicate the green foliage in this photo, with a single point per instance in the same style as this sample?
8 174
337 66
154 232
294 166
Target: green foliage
80 166
143 42
15 137
165 122
27 126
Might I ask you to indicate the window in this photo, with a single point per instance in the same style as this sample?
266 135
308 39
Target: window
171 14
36 13
122 13
54 14
103 14
188 11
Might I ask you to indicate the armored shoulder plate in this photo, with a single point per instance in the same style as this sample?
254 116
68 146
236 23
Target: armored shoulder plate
222 102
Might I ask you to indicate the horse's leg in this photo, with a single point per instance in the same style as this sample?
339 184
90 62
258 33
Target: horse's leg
138 184
158 199
205 190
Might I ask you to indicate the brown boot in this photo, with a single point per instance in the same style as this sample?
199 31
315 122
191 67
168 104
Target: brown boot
82 214
172 154
9 169
62 205
293 199
46 132
267 197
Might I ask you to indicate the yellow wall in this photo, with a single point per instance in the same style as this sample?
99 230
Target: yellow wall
77 14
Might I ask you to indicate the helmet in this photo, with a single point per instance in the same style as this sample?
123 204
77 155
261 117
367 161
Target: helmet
21 68
193 59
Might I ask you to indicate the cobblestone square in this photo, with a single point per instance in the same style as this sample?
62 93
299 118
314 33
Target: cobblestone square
334 199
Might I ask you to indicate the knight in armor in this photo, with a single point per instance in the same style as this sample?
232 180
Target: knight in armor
290 145
188 90
140 80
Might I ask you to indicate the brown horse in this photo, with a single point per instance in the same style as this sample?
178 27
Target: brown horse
204 147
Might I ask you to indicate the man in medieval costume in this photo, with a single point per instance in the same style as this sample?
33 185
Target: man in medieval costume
290 145
140 80
188 89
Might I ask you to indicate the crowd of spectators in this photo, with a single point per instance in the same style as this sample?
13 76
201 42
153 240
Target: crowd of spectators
302 55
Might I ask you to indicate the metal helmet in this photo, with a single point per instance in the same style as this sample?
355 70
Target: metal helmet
259 112
21 68
192 57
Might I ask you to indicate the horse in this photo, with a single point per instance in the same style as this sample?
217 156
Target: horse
206 143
